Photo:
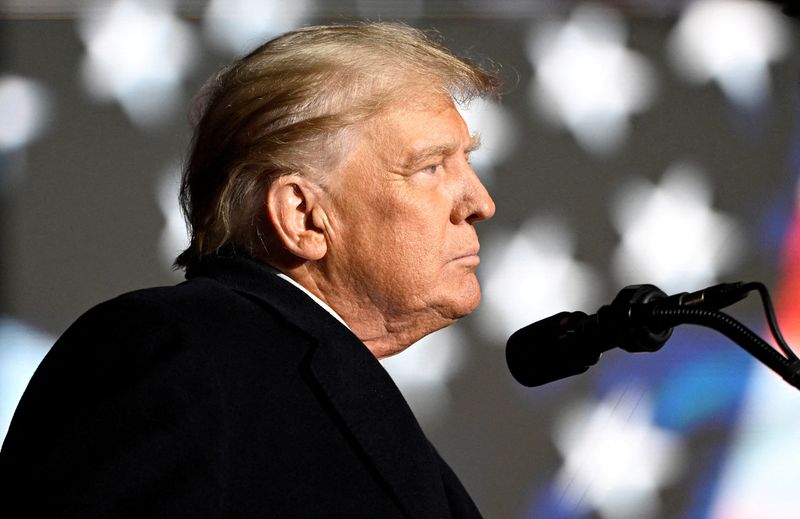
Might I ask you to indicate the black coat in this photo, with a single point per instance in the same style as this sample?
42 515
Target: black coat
232 394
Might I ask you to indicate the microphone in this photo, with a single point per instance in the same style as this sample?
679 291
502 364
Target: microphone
641 318
569 343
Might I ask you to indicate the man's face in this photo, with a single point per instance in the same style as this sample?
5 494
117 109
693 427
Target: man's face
404 203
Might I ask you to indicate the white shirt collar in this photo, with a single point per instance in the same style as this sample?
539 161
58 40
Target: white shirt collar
317 300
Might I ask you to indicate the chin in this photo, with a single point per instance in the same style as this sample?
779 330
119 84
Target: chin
465 302
472 305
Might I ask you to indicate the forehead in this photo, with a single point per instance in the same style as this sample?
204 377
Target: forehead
416 127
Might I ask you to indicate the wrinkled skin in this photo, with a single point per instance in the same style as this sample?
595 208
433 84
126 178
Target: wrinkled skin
400 247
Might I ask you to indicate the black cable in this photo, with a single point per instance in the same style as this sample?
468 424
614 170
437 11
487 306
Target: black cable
788 369
772 320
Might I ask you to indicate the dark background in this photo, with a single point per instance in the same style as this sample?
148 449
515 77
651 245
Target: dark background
80 223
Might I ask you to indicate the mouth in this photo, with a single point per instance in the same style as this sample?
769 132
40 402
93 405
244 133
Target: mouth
469 257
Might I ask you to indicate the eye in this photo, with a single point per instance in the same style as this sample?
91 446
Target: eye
431 170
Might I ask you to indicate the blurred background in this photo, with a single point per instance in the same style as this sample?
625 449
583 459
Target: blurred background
640 141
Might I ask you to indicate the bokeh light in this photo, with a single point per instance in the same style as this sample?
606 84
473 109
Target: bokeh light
423 371
21 350
174 238
238 26
24 111
586 79
531 274
670 234
605 99
498 133
137 53
615 458
731 42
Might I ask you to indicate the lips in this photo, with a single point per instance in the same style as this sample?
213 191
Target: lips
470 255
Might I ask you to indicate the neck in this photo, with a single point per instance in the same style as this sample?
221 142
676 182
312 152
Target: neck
382 332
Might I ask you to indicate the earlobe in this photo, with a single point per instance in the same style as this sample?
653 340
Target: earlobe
292 207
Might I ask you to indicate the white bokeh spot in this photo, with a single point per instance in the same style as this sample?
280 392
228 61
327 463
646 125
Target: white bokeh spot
731 42
174 237
497 131
23 348
24 111
615 458
586 79
137 53
423 371
760 473
670 234
239 26
532 274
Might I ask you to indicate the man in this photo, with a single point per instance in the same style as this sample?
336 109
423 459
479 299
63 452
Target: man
331 207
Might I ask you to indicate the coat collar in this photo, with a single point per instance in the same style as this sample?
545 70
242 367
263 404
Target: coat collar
357 386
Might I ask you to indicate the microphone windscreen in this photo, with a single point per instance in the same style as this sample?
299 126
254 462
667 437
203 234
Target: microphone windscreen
551 349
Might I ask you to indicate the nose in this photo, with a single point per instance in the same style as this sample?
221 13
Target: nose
475 204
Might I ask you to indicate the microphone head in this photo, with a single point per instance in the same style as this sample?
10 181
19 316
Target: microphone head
557 347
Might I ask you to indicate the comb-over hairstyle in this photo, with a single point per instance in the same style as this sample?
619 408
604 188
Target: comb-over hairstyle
286 108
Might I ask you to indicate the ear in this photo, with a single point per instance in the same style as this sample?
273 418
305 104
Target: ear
292 206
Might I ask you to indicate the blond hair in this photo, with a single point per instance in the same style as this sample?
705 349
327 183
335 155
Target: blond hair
286 108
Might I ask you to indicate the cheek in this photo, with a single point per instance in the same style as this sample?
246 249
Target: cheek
418 219
404 232
405 259
422 239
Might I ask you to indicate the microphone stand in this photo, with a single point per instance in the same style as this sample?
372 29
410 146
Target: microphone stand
654 319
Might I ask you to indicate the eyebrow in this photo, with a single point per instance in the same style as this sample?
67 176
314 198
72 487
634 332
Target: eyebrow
424 154
474 143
